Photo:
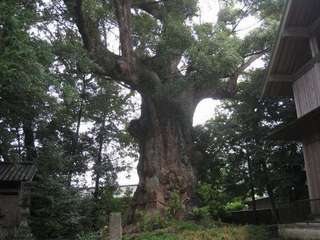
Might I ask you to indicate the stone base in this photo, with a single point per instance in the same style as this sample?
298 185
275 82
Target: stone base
306 231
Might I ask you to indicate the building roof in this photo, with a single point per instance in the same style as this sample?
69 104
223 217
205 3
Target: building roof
307 125
292 54
16 172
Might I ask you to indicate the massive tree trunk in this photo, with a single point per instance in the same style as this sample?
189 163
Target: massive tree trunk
168 97
165 169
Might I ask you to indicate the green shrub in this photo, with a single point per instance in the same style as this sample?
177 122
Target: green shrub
174 205
235 205
88 236
149 221
153 236
190 231
184 225
200 213
212 200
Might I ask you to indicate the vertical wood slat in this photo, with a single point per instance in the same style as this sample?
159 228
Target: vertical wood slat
307 91
314 47
312 165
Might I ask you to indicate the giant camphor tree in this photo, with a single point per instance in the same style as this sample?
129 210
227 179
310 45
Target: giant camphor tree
173 64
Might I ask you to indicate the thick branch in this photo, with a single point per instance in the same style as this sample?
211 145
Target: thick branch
219 92
109 65
90 34
151 7
233 80
123 11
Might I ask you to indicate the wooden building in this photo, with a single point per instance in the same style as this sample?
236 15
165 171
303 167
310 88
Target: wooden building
294 71
15 181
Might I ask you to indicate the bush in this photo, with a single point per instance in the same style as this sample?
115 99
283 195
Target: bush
211 200
235 205
149 221
175 205
88 236
200 213
153 236
184 226
189 231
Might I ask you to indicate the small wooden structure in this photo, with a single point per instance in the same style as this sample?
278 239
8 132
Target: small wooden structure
295 71
260 204
15 189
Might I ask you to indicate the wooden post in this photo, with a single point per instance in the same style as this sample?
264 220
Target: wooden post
115 226
311 150
314 46
24 232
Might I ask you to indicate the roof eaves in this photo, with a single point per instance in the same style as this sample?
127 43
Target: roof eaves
277 44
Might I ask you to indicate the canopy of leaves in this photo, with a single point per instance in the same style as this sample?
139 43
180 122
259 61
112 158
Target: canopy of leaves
237 152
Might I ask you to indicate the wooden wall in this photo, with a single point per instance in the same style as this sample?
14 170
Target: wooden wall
311 149
306 91
10 210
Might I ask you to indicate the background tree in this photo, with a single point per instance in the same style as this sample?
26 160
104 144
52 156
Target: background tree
51 110
24 74
239 160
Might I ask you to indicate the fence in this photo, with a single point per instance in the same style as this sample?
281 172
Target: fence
298 211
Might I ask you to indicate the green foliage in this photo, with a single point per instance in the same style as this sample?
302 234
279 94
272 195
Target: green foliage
238 159
212 200
93 8
175 204
200 233
53 217
153 236
48 94
146 31
235 205
176 37
87 236
180 226
201 212
214 54
149 221
24 63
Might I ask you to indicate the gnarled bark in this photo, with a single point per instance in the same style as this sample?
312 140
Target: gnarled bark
165 169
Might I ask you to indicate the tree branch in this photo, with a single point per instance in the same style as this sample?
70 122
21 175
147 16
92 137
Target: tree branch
123 12
125 69
233 80
90 34
263 51
216 93
151 7
220 92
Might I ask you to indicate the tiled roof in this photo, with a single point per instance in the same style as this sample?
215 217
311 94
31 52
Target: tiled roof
17 171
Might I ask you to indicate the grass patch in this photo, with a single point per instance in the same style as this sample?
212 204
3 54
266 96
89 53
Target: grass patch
190 231
153 236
